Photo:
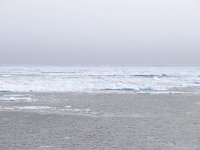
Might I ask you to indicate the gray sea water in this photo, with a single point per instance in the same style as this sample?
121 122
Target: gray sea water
98 79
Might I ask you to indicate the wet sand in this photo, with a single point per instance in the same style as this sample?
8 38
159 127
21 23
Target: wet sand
75 121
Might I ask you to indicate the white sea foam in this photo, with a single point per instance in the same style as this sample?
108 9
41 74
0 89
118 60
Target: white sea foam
49 109
94 79
70 111
28 108
17 97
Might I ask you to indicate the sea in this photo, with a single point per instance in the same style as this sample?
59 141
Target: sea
140 79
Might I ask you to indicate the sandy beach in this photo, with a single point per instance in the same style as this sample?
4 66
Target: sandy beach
62 121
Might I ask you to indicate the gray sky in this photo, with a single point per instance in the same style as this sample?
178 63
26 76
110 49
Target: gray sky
88 32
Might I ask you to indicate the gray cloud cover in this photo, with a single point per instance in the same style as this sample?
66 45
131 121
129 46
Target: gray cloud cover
87 32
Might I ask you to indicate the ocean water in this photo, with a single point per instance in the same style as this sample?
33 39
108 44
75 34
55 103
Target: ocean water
98 79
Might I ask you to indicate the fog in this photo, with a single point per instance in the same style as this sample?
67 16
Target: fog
100 32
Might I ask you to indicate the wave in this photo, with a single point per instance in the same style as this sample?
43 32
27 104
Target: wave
146 88
153 75
118 89
197 82
66 79
5 91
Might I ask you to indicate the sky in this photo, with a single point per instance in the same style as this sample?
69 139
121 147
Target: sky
100 32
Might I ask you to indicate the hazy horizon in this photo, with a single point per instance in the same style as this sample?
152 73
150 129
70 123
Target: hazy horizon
101 32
